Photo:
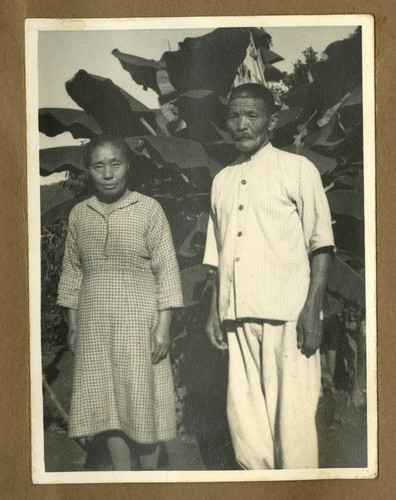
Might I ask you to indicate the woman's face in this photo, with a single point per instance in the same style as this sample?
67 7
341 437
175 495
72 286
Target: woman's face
109 172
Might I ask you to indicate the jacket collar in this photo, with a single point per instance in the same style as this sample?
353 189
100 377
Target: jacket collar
267 149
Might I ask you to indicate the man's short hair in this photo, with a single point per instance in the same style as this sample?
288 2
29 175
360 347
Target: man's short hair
255 91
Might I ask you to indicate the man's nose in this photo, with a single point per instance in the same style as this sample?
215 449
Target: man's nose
107 172
241 123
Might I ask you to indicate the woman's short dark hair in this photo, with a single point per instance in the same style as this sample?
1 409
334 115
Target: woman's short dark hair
101 140
255 91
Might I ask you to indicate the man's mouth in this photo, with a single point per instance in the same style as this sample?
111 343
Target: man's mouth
109 186
244 138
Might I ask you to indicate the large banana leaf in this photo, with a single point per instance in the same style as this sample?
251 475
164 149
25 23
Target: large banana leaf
194 284
346 202
114 110
347 283
54 121
324 164
184 153
194 244
60 211
65 158
143 71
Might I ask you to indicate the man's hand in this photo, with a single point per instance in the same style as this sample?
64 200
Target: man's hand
309 332
214 331
309 326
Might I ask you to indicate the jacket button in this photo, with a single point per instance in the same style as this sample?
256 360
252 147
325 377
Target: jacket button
237 259
243 182
240 207
240 233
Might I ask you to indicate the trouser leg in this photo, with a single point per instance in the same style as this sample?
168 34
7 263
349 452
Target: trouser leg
299 388
272 399
247 411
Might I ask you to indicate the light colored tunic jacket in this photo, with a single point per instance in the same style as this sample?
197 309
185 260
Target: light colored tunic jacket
268 214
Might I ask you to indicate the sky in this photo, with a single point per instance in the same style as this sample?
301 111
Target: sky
62 53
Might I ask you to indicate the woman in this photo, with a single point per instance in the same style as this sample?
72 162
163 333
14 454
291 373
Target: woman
120 281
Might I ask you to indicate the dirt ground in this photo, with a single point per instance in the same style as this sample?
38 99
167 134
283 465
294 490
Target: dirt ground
341 427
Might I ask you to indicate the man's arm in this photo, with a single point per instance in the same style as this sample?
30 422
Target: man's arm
213 326
309 327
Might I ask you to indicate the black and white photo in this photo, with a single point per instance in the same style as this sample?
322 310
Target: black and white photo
202 248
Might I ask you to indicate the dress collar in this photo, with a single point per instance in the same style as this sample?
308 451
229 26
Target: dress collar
132 198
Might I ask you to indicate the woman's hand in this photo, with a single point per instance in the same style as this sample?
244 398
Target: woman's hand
160 338
71 329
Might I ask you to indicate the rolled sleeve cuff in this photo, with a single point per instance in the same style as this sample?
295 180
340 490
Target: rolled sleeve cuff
322 243
67 301
167 303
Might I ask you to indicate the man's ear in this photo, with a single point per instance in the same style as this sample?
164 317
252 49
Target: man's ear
273 121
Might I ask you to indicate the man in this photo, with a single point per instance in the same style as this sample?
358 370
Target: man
270 238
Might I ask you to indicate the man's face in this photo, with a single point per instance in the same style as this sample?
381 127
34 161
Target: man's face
109 172
248 123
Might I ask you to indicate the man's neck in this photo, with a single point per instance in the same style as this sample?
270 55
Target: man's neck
247 156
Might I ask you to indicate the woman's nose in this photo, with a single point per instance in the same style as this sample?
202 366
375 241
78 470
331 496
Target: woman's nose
107 172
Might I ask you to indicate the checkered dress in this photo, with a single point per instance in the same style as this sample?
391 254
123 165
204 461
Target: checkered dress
119 270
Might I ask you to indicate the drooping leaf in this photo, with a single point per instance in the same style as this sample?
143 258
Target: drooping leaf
194 282
269 56
60 211
54 121
331 306
354 181
355 98
347 283
324 164
346 202
209 61
199 108
339 74
286 116
298 97
114 110
194 244
184 153
65 158
272 74
143 71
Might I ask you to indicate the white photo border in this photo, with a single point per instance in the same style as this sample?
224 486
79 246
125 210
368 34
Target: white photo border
32 29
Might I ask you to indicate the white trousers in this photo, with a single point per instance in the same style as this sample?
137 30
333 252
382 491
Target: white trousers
273 393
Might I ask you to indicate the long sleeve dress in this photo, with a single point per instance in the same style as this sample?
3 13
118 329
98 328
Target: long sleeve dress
118 271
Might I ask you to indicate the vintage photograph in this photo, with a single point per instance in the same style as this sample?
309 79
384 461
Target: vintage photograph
202 248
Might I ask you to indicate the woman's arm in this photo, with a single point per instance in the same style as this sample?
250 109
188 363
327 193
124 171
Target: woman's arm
72 328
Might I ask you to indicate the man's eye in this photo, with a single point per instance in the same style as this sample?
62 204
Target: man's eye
231 117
